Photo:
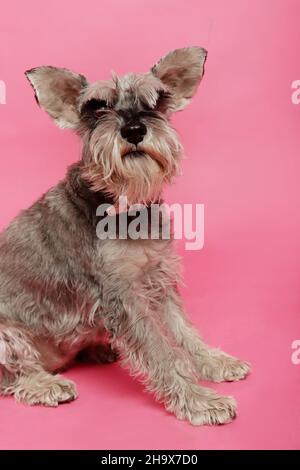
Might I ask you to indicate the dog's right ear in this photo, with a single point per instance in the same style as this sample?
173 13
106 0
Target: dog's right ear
57 91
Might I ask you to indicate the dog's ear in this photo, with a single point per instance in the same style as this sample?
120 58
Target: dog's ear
181 71
57 91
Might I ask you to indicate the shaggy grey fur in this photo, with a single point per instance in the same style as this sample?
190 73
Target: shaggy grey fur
64 292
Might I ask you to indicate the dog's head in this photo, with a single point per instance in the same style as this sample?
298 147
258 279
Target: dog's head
129 145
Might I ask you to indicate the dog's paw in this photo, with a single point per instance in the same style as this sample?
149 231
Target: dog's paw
44 389
234 370
202 406
217 410
217 366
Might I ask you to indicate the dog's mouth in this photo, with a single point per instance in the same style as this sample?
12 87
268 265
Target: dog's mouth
140 154
134 154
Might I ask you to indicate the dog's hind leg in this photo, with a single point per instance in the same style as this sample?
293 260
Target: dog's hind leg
22 373
211 364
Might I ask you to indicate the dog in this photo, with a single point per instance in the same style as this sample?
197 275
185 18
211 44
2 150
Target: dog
65 293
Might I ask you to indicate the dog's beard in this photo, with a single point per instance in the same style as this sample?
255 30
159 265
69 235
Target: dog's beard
121 169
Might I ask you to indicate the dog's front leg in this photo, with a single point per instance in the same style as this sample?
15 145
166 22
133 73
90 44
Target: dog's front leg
143 345
211 364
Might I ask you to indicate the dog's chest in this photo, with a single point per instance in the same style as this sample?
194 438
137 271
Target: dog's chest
131 258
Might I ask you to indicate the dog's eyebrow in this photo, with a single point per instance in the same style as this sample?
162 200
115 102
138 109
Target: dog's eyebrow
104 90
161 101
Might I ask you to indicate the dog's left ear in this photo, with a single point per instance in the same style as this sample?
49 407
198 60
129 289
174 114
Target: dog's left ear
57 91
181 71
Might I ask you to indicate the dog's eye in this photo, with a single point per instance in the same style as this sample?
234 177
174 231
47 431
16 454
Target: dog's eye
161 104
95 106
146 106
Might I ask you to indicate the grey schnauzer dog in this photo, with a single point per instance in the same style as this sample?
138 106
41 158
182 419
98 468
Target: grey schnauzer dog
64 292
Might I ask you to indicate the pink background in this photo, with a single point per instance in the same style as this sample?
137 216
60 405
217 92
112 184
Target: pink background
241 136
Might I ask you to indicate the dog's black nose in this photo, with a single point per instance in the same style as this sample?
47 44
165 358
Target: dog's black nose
134 132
